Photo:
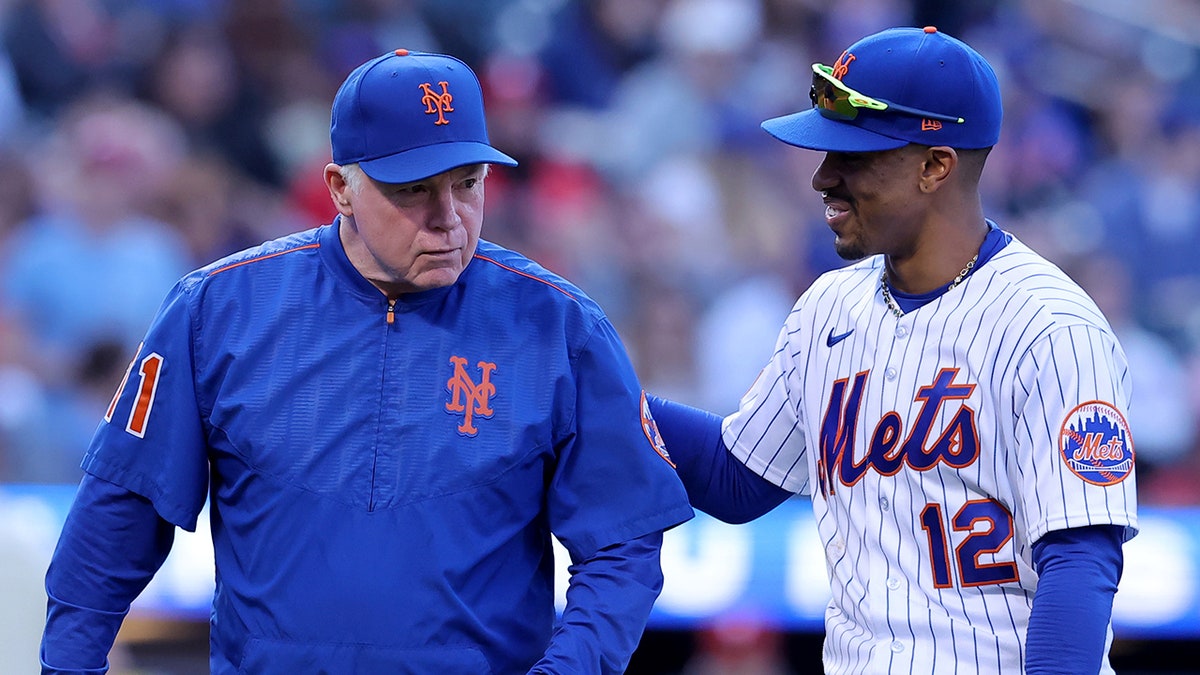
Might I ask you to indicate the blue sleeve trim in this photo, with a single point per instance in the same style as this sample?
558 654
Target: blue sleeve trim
717 483
608 602
1078 570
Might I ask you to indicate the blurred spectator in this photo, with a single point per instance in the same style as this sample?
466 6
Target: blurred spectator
660 335
594 44
737 335
1161 414
23 408
91 265
354 31
738 644
58 48
81 277
197 81
277 44
61 48
16 194
12 107
466 28
701 94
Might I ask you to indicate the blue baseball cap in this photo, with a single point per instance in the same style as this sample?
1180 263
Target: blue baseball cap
898 86
405 116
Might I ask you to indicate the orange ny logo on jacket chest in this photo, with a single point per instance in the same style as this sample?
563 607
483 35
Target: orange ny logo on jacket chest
468 397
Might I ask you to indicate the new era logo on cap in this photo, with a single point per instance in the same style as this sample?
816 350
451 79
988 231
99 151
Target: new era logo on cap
405 116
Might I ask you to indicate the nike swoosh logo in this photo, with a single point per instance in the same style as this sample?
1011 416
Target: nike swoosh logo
834 339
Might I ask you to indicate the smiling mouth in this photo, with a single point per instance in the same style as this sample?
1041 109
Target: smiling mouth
836 211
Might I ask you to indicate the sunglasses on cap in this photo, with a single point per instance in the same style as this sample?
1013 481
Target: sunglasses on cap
837 101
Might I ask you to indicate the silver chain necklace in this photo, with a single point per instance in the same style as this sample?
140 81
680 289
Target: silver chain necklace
891 304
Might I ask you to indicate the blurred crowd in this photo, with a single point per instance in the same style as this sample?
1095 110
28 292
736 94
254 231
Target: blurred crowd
140 139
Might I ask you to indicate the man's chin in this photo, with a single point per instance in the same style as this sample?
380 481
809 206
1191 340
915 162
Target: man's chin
438 278
847 251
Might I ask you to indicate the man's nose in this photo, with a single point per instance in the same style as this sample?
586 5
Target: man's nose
444 215
823 177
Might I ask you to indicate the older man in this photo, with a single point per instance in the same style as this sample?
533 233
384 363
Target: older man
390 417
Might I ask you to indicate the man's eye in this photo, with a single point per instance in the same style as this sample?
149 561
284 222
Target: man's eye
852 159
470 183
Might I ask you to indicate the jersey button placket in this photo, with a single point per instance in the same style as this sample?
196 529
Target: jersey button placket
901 331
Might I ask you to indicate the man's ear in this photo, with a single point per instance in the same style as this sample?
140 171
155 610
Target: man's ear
339 190
938 164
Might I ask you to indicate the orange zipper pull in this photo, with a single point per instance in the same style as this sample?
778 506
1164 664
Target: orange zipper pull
391 314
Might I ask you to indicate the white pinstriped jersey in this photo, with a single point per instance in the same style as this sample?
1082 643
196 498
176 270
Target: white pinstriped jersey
937 448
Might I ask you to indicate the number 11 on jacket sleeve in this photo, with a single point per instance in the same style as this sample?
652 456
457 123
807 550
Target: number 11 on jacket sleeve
148 372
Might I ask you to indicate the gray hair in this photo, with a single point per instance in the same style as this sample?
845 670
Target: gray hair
354 177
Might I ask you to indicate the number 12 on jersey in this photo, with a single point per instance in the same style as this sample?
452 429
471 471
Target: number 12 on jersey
148 371
988 527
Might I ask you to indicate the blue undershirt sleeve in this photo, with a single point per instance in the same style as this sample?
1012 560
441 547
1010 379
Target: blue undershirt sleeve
112 543
1078 570
717 483
609 598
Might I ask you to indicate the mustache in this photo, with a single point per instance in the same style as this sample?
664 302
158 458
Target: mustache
835 195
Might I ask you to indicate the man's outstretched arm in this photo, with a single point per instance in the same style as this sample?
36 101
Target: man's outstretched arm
717 483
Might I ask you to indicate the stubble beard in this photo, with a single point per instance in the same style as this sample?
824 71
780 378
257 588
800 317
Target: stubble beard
849 251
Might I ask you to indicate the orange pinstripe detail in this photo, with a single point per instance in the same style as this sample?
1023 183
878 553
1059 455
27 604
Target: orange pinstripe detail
527 276
261 258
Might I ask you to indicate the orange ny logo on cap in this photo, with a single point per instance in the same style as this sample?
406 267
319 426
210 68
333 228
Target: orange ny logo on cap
842 64
436 103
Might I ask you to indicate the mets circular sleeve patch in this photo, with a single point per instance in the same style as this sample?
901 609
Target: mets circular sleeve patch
1095 443
650 428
